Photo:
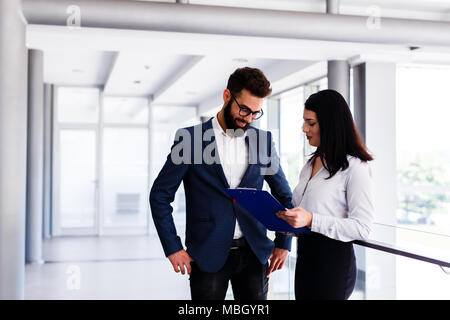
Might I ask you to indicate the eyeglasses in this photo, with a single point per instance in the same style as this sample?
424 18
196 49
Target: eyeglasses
245 111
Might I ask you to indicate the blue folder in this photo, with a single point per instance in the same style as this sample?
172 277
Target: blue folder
263 206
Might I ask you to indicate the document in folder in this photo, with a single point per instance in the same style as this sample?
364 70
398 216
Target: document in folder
263 206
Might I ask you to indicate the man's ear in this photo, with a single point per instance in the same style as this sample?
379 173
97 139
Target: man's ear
226 96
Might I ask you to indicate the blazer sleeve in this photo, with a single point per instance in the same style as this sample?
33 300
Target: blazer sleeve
162 194
279 188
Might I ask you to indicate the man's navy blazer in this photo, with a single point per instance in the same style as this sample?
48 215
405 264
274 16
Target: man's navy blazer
210 212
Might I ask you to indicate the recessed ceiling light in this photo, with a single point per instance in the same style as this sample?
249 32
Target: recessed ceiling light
240 60
77 71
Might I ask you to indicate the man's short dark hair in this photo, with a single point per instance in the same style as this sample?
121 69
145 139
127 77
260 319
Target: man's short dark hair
251 79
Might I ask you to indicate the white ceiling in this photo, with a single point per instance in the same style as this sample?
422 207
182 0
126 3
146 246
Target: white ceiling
68 67
205 77
181 69
142 73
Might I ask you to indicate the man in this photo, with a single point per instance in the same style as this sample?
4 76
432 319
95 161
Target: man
223 241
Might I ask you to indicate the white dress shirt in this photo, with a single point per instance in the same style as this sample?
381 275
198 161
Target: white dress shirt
233 155
342 206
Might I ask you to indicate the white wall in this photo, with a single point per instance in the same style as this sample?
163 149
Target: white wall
380 86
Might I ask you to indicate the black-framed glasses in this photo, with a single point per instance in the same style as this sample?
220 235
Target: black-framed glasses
245 111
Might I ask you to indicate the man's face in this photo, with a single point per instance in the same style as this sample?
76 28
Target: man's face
233 116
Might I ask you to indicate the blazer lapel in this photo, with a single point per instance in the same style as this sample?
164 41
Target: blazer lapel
214 154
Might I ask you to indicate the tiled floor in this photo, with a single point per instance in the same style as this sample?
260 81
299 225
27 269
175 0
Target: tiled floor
121 267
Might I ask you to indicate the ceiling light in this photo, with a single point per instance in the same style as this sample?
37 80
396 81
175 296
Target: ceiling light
77 71
137 81
240 60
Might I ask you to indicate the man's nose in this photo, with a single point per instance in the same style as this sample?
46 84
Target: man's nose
248 118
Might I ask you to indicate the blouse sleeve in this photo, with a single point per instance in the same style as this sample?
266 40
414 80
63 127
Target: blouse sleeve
357 225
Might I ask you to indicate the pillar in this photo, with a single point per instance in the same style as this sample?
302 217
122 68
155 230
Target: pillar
13 149
35 157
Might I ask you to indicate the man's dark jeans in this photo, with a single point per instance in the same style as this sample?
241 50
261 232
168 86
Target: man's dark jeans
242 268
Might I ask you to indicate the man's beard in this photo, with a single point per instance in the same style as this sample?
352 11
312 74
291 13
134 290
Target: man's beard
231 123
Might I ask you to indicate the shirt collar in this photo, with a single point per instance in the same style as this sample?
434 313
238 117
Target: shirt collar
216 125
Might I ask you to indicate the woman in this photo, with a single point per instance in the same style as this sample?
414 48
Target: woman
332 198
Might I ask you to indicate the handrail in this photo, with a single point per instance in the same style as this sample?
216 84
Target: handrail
401 252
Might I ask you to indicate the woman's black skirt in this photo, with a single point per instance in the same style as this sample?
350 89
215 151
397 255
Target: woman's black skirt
325 270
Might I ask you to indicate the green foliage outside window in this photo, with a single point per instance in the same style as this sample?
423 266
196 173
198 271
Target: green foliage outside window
427 179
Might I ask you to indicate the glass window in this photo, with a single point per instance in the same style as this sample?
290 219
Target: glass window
423 150
77 105
418 280
125 110
125 173
315 86
401 278
291 144
78 178
294 148
121 138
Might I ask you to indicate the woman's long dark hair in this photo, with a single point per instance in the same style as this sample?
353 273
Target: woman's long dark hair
339 136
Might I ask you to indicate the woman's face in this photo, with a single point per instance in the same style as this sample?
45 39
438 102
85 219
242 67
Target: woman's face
311 127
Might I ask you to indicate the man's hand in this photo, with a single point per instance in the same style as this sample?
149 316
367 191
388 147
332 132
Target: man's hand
277 260
179 260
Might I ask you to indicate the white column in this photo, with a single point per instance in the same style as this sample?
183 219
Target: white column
35 157
333 6
338 70
48 111
339 77
359 98
13 149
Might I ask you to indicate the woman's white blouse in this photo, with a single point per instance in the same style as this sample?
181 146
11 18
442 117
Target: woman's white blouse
342 206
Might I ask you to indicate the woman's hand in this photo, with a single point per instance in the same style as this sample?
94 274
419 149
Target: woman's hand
296 217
